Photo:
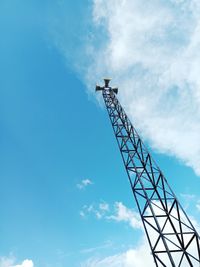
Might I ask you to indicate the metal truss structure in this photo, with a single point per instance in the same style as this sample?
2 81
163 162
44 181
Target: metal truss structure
171 235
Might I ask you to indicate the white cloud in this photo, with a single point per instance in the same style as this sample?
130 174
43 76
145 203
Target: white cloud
117 212
151 49
84 183
98 211
104 206
10 262
25 263
124 214
138 257
82 214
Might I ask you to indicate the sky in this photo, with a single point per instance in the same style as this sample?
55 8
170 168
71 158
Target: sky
65 200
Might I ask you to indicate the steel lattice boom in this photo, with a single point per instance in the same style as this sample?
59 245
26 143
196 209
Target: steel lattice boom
172 237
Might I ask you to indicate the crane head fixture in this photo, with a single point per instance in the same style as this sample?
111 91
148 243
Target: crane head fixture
106 86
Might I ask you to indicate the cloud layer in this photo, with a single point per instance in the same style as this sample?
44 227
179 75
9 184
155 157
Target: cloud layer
151 49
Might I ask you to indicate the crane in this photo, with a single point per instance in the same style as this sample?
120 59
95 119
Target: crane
173 240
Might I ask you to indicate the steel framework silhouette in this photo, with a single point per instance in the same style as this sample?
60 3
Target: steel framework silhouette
171 235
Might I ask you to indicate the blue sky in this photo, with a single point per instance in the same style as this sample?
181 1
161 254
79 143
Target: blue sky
65 198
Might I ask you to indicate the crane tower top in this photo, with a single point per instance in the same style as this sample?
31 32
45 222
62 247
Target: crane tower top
106 86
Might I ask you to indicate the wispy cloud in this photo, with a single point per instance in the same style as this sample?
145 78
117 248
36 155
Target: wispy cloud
191 201
117 212
105 245
84 183
6 261
139 257
124 214
99 210
104 206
